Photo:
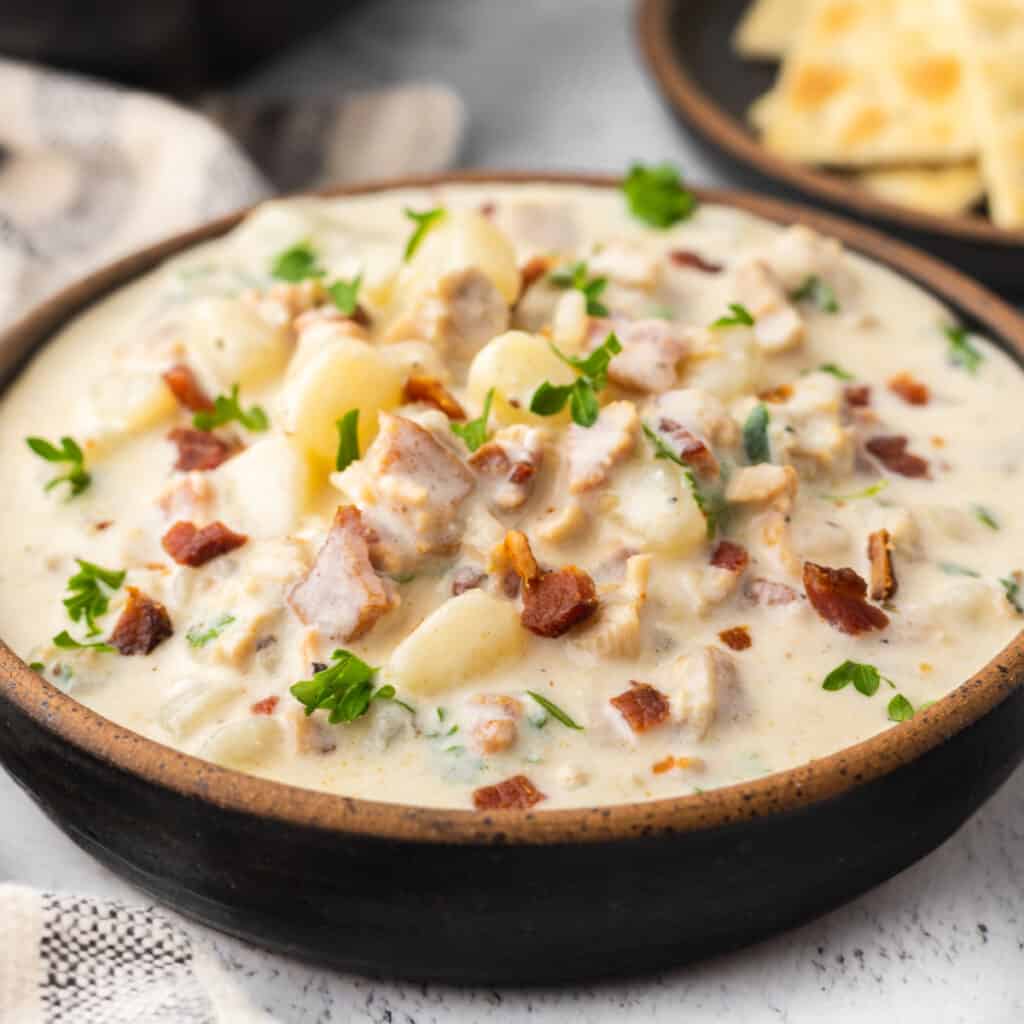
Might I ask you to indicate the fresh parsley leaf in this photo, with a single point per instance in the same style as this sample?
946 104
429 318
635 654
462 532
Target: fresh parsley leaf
983 515
656 195
345 689
962 351
348 440
554 711
201 634
550 399
583 405
424 222
90 590
820 292
868 492
69 451
345 294
297 263
595 365
66 641
755 435
836 371
1012 587
711 505
900 709
474 433
865 678
581 395
740 317
575 276
953 569
227 408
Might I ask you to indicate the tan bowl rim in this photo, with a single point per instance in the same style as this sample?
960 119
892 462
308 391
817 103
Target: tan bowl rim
730 135
780 792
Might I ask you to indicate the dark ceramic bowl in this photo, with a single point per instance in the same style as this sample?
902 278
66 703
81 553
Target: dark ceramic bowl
514 896
688 47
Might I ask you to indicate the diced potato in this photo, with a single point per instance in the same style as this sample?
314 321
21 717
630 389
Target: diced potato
515 364
193 705
726 362
266 489
467 636
124 402
655 502
246 743
325 381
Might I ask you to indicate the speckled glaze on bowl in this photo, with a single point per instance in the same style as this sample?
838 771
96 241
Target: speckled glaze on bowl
513 897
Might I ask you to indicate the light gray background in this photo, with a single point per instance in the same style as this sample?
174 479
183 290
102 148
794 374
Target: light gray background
559 84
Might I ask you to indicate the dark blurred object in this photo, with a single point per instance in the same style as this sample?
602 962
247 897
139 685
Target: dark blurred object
176 46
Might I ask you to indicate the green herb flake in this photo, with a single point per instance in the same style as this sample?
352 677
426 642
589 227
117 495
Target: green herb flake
348 440
900 709
67 642
554 711
739 316
344 689
424 222
575 276
656 195
869 492
474 433
865 678
76 477
90 589
296 263
202 633
962 351
820 292
755 435
983 515
37 666
1011 585
711 505
836 371
226 408
581 395
345 294
955 569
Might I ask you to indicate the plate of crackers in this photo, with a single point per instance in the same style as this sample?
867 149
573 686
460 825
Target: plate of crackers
906 113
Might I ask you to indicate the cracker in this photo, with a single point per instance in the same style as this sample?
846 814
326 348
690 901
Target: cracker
768 28
944 190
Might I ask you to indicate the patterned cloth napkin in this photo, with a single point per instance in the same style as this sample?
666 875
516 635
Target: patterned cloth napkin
89 172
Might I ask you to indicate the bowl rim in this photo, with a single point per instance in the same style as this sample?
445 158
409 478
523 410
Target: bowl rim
777 793
702 113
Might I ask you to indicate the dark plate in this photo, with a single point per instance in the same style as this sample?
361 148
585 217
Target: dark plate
513 896
688 48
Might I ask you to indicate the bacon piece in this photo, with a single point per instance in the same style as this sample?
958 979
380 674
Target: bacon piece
532 271
200 450
737 638
517 794
892 452
642 706
142 626
517 551
508 464
186 389
689 447
267 706
776 396
693 260
838 596
858 396
883 579
467 578
728 555
421 388
557 600
770 593
189 545
910 389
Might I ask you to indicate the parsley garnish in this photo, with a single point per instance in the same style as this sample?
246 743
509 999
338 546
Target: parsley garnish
581 395
201 634
575 276
836 371
740 317
962 352
755 435
710 505
474 433
820 292
868 492
954 569
89 600
76 477
554 711
983 515
345 689
424 222
37 666
296 263
865 678
227 408
1012 588
657 196
900 709
65 640
348 439
345 294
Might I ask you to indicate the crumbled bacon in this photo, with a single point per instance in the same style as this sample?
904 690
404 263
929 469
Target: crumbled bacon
189 545
532 271
267 706
858 396
693 260
517 793
199 449
883 579
517 551
777 395
690 448
642 706
666 764
186 389
892 452
770 593
736 638
142 626
838 596
421 388
910 389
467 578
731 556
557 600
507 465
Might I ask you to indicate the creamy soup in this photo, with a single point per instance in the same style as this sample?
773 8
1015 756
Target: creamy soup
503 496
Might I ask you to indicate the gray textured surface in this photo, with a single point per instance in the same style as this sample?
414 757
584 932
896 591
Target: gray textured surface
558 84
